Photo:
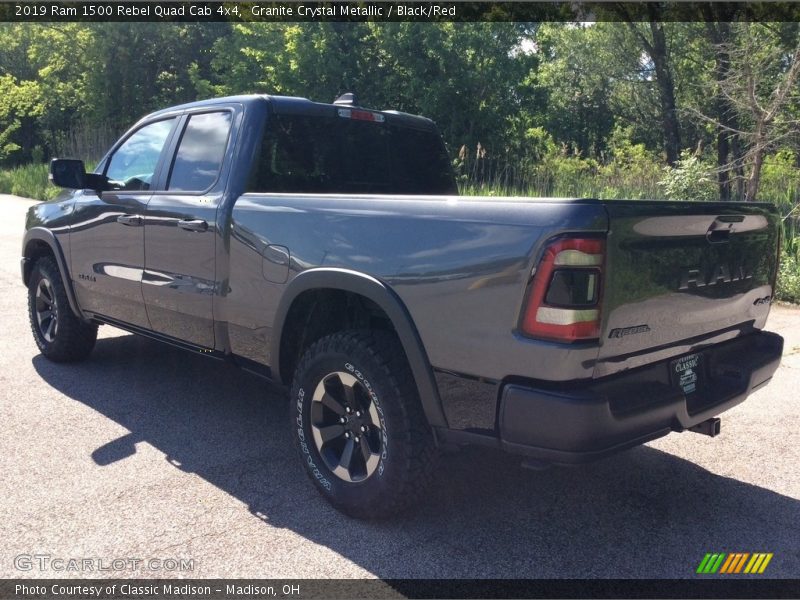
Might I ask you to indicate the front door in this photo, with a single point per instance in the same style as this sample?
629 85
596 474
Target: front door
107 237
180 232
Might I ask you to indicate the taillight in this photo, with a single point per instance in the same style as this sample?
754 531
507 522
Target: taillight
360 115
564 296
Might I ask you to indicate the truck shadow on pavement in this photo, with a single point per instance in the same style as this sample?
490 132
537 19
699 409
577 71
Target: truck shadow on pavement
643 513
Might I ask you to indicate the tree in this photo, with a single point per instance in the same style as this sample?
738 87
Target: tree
718 31
580 75
471 78
654 42
759 90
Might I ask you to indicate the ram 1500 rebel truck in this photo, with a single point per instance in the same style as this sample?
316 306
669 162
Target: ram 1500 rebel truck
324 247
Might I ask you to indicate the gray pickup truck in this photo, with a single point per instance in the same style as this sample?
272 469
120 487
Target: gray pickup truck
324 247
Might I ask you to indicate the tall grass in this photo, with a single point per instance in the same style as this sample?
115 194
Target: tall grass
562 177
32 181
29 181
634 177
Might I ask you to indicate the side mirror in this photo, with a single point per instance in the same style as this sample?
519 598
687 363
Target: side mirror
70 173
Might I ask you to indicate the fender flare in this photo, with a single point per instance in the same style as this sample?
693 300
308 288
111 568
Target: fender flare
390 303
41 234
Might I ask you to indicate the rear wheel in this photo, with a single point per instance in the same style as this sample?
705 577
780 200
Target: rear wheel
358 424
60 335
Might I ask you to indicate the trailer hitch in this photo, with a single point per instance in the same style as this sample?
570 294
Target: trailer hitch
709 427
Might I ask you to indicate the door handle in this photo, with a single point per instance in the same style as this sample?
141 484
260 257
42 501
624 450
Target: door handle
193 225
131 220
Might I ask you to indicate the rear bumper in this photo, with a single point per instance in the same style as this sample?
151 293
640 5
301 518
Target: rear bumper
591 421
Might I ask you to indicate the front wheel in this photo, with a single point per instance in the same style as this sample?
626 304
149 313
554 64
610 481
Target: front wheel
358 424
60 335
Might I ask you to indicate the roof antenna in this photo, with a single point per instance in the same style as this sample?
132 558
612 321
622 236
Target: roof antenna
348 99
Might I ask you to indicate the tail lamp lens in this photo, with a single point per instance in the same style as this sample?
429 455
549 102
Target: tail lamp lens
564 297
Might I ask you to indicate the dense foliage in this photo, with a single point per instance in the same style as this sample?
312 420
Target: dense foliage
521 105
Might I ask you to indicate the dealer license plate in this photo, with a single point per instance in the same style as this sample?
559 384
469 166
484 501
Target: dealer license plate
686 373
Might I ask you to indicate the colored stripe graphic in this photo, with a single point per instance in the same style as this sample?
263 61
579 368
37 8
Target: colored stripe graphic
757 564
732 559
711 563
749 566
734 562
741 562
767 558
703 563
717 564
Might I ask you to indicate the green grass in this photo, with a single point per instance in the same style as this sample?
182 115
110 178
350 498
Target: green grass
573 185
29 181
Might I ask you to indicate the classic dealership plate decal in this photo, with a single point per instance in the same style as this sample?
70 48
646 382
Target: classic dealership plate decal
685 372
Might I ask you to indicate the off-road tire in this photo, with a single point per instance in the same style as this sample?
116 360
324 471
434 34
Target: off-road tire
407 451
71 339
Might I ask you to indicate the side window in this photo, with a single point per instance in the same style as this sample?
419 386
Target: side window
200 152
302 154
134 163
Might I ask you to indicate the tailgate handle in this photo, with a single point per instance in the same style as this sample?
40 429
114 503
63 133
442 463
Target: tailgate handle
718 236
722 228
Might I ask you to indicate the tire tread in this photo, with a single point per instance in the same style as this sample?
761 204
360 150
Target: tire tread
76 338
415 441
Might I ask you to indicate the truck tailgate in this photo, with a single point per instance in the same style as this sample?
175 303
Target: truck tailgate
681 275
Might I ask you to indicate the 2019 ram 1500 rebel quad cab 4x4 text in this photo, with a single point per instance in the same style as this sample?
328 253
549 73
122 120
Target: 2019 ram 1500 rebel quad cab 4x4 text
324 246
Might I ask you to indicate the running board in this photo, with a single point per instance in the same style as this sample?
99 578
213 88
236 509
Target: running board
160 337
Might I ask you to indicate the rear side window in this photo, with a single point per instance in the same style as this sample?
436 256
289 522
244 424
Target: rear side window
302 154
200 152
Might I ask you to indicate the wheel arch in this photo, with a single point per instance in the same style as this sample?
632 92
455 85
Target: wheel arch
366 286
40 242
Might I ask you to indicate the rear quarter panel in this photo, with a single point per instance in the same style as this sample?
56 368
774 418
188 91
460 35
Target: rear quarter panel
460 265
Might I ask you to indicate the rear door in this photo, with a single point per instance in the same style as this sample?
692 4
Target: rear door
180 233
680 275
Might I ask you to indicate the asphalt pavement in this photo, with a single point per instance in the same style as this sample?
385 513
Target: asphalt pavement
147 452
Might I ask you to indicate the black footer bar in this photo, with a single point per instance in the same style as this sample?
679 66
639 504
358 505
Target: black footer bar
213 589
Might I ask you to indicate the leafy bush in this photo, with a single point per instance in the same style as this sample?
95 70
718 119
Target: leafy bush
780 180
690 179
632 172
788 287
546 168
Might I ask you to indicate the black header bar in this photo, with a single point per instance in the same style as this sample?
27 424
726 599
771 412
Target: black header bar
299 11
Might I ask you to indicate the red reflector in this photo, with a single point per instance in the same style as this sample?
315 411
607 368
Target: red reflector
564 322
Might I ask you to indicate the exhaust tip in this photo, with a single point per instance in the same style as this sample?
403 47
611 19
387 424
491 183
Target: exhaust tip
710 427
